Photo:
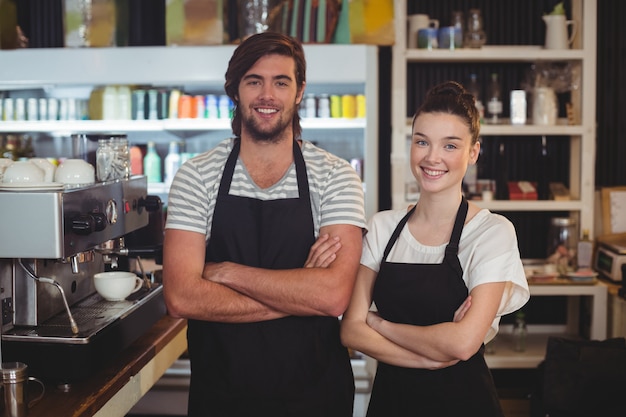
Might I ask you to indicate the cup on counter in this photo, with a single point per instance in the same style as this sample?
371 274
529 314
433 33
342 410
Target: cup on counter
75 171
116 285
427 38
23 172
15 383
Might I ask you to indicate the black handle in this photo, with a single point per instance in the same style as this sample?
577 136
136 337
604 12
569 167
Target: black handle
151 203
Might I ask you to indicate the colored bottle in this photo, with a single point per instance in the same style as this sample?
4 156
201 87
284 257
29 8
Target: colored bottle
494 100
473 87
584 254
172 162
152 164
136 160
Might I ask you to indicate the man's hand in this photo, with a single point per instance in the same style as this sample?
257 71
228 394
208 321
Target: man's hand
323 252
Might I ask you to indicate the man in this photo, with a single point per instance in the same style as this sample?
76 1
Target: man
241 260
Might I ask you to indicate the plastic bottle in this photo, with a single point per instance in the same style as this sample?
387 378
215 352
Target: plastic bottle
519 332
136 160
494 100
473 87
585 251
152 164
172 162
224 110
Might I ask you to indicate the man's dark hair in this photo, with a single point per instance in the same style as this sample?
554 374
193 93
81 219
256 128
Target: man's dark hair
248 53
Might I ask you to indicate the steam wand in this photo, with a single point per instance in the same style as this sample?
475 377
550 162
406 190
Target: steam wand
30 273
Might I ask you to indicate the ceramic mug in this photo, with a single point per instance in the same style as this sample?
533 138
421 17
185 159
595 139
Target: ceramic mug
75 171
46 166
117 285
417 22
450 37
23 172
427 38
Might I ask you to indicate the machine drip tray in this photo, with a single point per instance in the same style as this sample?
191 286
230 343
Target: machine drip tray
53 353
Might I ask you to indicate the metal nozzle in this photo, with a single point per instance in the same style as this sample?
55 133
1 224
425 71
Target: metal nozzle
31 274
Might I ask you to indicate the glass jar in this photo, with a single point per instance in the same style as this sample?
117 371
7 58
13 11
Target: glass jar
562 243
475 36
112 159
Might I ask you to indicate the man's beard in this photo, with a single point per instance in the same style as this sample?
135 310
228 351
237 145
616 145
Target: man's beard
270 134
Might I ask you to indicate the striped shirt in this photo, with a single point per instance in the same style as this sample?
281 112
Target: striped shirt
335 189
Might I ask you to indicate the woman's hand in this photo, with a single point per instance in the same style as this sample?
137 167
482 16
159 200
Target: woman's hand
323 252
373 318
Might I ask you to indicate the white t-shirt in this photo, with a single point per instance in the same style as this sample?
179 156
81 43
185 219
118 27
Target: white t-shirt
488 252
335 189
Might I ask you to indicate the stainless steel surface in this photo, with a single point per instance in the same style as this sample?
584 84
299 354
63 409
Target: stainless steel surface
15 381
52 317
57 224
92 315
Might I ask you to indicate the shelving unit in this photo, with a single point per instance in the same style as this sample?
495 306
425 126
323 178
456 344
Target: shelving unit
336 69
581 137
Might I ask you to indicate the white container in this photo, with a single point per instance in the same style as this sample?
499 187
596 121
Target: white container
116 285
172 163
545 108
518 107
75 171
23 172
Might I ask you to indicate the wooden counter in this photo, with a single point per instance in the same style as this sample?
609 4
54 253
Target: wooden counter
115 389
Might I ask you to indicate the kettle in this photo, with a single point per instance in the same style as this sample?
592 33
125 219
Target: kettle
556 31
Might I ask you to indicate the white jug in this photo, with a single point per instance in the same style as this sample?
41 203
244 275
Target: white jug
556 31
417 22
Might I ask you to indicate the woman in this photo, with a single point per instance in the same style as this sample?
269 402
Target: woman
419 267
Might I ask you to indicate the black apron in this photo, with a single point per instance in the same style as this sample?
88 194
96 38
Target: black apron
293 366
422 295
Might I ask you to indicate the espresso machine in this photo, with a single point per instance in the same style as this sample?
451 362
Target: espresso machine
52 243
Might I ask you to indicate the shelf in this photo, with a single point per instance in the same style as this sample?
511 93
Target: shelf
203 65
66 127
492 53
530 205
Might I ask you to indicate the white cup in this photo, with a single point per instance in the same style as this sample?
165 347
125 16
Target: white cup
417 22
75 171
116 285
48 168
23 172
